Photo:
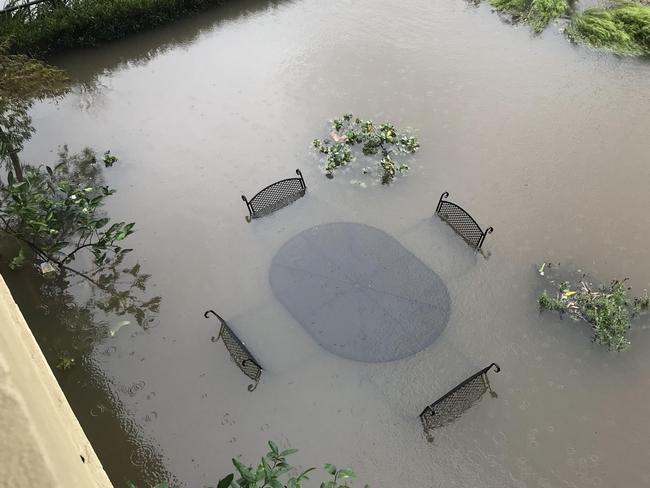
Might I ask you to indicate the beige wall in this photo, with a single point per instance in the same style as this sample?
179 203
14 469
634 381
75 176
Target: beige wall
41 441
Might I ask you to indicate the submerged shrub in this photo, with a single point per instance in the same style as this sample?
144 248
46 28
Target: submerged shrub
607 308
542 12
537 13
56 212
349 131
624 29
547 302
516 8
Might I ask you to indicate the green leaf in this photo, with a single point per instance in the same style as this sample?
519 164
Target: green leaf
274 447
330 468
280 470
276 484
345 473
259 473
244 471
162 485
268 474
288 452
303 475
226 482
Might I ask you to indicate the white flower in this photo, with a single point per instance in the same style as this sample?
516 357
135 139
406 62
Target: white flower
73 197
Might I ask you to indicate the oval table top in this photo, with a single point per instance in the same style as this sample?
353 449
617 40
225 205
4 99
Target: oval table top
359 292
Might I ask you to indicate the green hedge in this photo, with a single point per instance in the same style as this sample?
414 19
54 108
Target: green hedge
89 22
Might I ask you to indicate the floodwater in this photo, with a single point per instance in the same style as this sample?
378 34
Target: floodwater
543 140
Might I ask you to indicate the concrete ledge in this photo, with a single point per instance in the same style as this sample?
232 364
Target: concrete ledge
41 441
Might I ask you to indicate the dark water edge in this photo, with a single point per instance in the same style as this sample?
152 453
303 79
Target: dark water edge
123 451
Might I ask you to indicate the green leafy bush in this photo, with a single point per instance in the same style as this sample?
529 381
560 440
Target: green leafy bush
275 472
624 29
542 12
607 308
537 13
547 302
516 8
349 131
56 212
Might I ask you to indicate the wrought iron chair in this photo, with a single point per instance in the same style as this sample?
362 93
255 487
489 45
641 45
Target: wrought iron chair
459 399
238 351
462 222
275 196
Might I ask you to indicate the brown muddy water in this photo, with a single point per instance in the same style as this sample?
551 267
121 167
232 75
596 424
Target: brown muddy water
545 141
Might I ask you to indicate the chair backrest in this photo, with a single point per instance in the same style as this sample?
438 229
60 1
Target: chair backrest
275 196
461 221
238 351
452 405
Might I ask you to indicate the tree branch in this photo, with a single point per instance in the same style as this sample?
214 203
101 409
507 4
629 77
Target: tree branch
46 257
79 248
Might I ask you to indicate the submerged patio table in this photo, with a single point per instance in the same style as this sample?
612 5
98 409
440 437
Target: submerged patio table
359 292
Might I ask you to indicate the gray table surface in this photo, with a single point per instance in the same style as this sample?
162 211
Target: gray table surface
359 292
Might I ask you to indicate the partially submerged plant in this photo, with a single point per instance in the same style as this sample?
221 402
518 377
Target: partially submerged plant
57 212
274 472
537 13
55 215
108 159
547 302
607 308
624 29
65 362
374 139
542 12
